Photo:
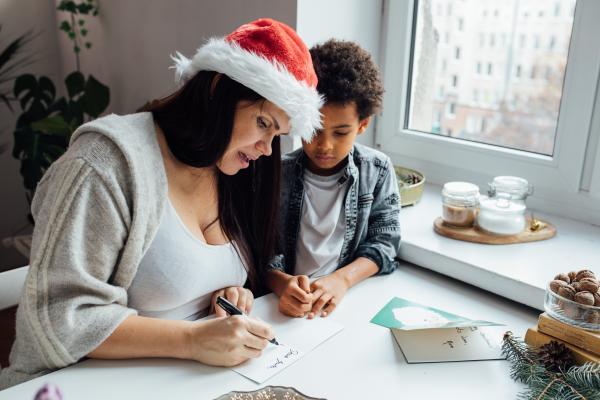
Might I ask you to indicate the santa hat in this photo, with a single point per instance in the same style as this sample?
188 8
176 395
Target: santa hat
268 57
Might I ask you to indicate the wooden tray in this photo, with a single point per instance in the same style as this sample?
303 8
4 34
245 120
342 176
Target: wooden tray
476 235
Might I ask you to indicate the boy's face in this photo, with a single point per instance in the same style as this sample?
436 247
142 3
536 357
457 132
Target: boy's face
328 151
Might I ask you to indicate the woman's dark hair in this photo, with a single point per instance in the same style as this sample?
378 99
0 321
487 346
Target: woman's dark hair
197 122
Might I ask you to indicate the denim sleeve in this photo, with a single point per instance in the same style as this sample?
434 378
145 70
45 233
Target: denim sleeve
383 233
277 263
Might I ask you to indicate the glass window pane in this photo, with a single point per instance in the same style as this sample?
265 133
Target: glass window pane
490 71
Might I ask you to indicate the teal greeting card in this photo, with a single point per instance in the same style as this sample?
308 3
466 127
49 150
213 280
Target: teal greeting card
406 315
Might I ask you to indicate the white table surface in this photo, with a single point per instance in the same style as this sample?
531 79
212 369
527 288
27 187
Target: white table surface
362 361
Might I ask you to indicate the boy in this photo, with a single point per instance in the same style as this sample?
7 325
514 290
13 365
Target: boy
340 201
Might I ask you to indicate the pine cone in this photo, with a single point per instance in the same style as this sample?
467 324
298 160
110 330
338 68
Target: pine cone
556 356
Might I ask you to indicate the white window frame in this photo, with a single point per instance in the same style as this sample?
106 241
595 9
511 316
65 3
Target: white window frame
567 183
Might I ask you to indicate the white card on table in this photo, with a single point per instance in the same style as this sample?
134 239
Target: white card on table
451 344
297 337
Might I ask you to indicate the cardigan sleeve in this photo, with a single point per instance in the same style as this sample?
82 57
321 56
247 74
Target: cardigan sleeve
69 304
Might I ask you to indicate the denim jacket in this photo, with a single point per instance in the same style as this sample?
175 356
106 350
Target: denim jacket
372 210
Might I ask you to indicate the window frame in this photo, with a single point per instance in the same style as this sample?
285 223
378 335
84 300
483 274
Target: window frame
558 179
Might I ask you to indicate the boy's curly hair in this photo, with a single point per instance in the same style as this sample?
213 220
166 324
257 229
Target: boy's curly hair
347 73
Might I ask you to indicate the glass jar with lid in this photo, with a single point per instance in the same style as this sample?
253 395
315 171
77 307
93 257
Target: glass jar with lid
459 203
501 215
516 188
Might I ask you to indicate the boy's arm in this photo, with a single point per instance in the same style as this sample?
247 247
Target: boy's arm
383 235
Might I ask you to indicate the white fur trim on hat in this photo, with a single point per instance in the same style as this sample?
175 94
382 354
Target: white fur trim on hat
269 79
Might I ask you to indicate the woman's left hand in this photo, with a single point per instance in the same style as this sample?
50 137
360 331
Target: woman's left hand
327 293
238 296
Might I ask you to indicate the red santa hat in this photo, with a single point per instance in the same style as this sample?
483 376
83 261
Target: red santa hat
268 57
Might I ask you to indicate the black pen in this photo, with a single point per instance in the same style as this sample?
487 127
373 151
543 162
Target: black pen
233 310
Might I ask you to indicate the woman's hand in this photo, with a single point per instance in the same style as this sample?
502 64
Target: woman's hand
227 341
238 296
295 299
327 293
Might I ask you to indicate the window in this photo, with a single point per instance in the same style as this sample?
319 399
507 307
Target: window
457 53
541 129
492 40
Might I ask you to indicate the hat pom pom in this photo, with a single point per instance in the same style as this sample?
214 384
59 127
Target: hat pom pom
181 66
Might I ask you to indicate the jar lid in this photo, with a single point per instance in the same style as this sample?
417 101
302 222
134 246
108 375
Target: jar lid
501 205
512 185
463 194
460 189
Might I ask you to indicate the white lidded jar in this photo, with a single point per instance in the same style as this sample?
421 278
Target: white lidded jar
459 203
501 215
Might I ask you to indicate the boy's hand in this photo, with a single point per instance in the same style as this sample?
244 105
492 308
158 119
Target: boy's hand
295 299
327 292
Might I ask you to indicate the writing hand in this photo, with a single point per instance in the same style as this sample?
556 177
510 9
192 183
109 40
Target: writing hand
227 341
296 299
327 292
238 296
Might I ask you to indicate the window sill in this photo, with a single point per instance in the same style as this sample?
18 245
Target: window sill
519 272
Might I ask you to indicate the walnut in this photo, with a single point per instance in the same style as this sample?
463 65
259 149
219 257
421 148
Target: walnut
584 273
589 285
563 277
576 286
597 299
557 284
584 298
567 292
572 276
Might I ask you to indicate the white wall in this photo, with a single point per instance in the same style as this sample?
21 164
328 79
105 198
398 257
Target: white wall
137 37
16 18
354 20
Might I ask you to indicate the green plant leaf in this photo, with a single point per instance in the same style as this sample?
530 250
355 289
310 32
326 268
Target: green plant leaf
66 5
55 125
76 49
65 26
84 8
34 93
75 83
88 45
96 97
84 32
81 22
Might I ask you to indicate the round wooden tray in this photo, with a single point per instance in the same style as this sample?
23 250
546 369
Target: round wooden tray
476 235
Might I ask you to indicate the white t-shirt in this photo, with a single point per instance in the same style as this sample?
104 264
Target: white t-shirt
179 273
322 225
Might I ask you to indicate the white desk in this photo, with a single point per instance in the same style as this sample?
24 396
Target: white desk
363 361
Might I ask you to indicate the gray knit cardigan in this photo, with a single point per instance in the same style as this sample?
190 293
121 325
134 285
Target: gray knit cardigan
96 211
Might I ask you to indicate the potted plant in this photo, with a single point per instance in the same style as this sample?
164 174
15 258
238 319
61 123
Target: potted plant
47 121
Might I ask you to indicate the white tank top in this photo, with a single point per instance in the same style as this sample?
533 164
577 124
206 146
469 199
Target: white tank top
322 225
179 273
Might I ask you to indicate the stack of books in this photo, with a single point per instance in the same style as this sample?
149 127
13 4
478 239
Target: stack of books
585 345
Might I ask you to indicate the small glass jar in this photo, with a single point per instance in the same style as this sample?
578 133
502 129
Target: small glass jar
517 188
500 215
459 203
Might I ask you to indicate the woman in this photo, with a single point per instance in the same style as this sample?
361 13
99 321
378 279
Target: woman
149 216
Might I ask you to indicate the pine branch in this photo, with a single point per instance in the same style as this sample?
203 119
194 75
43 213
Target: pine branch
578 383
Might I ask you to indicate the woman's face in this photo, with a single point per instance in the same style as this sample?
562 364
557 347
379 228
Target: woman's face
254 127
